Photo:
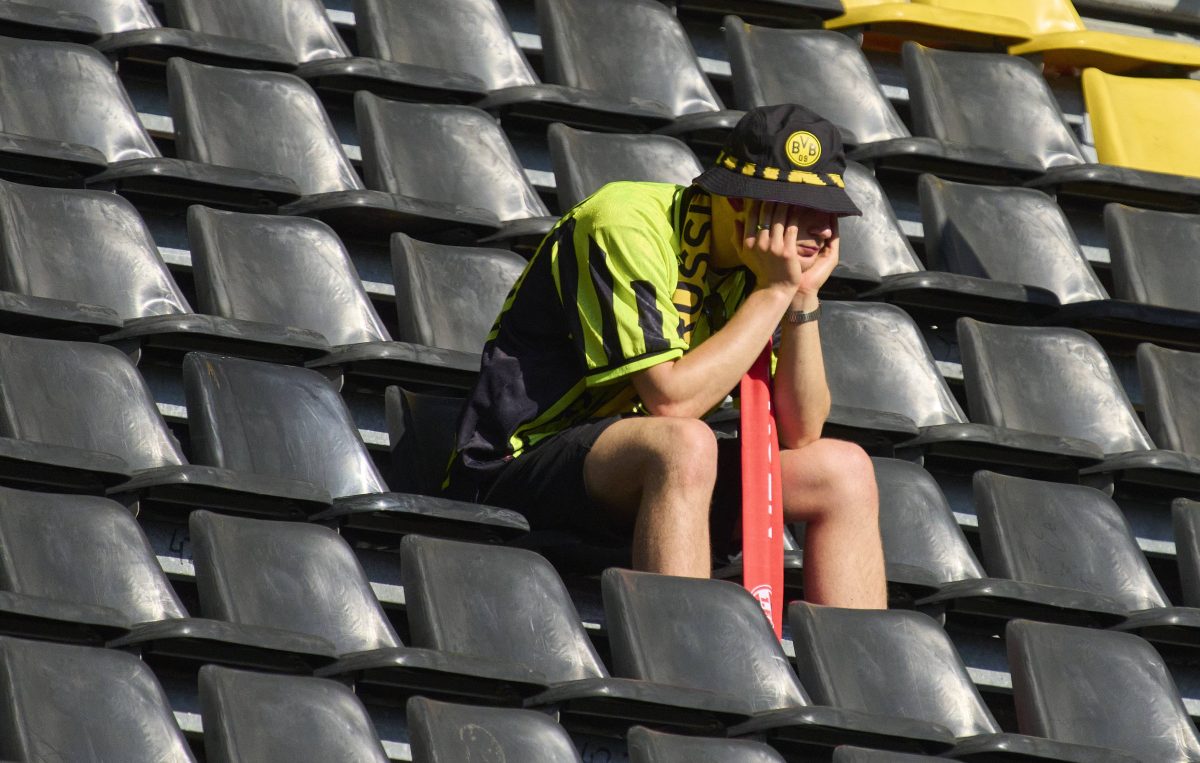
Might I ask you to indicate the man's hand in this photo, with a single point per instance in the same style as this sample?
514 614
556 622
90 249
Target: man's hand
787 247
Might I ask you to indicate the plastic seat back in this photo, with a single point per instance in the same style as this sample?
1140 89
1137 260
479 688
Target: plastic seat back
1171 394
873 242
471 36
69 93
84 550
915 670
301 27
624 49
1018 235
823 70
1051 381
584 161
421 430
289 575
1143 123
452 154
1069 536
495 603
988 100
110 15
90 247
81 395
918 526
1099 688
876 359
442 732
433 308
269 718
697 634
1185 519
1154 256
275 420
646 746
263 121
83 704
292 271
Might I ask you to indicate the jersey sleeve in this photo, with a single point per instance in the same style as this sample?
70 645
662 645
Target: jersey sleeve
617 283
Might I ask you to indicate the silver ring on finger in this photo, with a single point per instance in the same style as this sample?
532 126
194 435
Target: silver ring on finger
764 226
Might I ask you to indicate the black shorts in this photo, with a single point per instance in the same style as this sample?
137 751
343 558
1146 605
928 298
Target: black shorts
546 486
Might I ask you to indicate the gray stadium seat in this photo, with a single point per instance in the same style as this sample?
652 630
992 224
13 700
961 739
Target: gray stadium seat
442 732
72 20
83 704
519 594
585 160
851 754
1170 396
1185 519
711 635
1066 685
305 579
647 746
302 430
423 151
263 718
916 673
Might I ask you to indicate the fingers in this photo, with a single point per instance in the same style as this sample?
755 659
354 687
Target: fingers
750 226
792 230
765 221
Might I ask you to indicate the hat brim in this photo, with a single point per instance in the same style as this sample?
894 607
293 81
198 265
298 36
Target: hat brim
726 182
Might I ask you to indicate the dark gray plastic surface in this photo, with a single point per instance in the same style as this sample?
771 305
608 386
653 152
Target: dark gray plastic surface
301 27
442 732
1052 381
291 271
430 33
1017 235
823 70
873 242
1185 519
1152 256
433 309
423 151
264 121
283 719
49 22
584 161
671 630
1065 681
988 100
421 432
646 746
85 704
849 754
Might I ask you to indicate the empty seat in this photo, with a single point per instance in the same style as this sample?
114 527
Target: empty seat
1065 681
57 432
73 20
271 122
84 704
885 384
584 161
442 732
423 151
259 718
711 635
915 673
1157 13
79 568
295 271
84 263
1171 393
519 595
1185 519
646 746
961 24
626 51
305 579
1059 383
301 430
1151 256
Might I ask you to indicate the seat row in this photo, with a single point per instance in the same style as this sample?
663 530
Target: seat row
497 626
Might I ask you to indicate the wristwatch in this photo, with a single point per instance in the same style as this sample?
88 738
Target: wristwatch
799 316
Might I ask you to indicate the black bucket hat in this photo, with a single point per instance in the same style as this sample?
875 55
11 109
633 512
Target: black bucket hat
783 153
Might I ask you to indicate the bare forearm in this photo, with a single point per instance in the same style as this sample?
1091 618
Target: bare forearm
801 393
694 384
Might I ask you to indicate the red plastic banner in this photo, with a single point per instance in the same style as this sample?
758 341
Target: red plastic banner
762 493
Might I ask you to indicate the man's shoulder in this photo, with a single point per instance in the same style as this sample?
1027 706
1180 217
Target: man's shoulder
629 203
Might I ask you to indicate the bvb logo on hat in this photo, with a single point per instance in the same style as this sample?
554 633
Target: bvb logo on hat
802 148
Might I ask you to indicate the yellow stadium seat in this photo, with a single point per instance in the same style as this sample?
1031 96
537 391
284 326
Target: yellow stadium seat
887 24
1144 124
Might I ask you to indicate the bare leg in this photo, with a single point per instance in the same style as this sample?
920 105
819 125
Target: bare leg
830 484
657 473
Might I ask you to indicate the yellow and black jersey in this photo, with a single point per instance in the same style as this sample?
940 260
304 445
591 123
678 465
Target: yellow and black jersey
620 284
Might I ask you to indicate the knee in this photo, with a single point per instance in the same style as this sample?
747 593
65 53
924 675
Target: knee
684 449
848 474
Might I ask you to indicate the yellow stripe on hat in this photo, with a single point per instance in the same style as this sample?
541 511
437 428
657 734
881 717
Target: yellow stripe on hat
774 173
808 178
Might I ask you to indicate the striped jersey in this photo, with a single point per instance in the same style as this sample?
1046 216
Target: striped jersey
623 282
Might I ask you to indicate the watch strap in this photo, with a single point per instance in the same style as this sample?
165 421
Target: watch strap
799 316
